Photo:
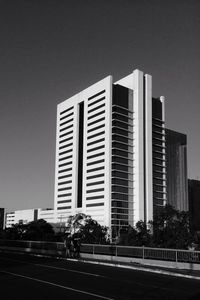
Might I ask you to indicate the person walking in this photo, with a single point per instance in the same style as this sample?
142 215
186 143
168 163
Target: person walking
67 245
77 245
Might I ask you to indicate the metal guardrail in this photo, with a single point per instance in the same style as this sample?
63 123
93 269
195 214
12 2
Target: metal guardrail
175 255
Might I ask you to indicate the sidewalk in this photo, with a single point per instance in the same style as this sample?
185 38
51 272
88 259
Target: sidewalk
191 274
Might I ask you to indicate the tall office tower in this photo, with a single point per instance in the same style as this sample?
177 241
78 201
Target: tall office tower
176 166
110 152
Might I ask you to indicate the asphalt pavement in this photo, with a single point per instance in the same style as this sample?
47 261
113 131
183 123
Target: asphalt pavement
32 277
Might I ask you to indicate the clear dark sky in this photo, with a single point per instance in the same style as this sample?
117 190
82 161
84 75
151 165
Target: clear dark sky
50 50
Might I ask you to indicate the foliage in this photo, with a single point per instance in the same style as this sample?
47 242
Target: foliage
169 229
38 230
89 230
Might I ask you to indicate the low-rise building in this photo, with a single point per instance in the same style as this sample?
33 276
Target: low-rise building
28 215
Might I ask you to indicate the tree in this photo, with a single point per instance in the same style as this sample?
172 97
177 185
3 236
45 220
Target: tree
171 228
89 230
39 230
92 232
15 232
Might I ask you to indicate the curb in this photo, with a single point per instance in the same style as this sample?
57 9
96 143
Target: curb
143 269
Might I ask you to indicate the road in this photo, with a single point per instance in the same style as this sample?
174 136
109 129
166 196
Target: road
30 277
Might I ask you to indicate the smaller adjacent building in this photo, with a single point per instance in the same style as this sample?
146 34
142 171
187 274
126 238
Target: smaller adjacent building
194 202
176 168
28 215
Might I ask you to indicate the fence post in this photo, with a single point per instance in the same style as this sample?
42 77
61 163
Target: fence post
143 252
116 250
176 256
93 249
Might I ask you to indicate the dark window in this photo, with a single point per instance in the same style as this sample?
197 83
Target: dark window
64 195
97 101
68 139
120 153
65 164
65 134
120 131
64 201
64 176
96 141
65 146
95 176
120 160
120 203
95 115
157 181
80 154
67 188
120 96
120 189
95 135
121 125
121 146
120 196
120 174
96 128
95 155
95 197
123 118
123 139
64 207
65 182
64 189
123 182
158 195
95 108
69 115
95 183
156 108
64 152
100 93
95 169
66 157
65 128
95 162
95 190
95 122
65 170
66 110
96 148
67 122
158 168
94 204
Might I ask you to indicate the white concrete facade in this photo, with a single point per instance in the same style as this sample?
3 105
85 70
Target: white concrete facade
96 153
24 216
28 215
98 174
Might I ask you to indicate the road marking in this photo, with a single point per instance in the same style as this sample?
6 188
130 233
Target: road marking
70 270
57 285
57 268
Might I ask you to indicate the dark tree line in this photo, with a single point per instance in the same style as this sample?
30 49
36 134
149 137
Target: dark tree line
169 229
38 230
